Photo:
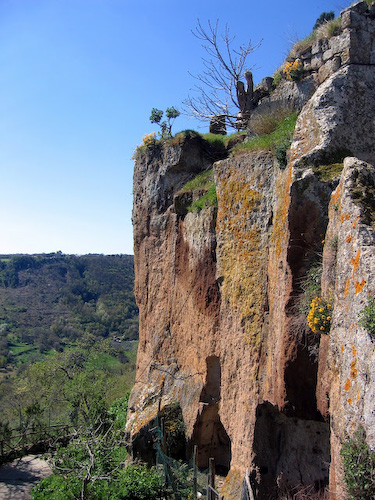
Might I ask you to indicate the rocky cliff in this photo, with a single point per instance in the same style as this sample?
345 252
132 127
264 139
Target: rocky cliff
221 291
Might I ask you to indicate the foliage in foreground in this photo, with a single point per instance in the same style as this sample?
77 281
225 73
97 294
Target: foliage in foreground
135 482
359 467
91 466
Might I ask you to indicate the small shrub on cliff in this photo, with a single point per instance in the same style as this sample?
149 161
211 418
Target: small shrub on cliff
319 317
323 18
149 143
165 126
359 467
367 317
293 70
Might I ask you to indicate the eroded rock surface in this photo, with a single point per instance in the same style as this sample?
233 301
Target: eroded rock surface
222 329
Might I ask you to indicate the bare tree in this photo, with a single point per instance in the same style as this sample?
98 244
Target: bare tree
220 90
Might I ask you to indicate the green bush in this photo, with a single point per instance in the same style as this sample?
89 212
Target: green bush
281 153
367 317
359 467
323 18
135 482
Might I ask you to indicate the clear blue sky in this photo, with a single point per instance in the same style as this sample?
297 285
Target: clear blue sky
78 79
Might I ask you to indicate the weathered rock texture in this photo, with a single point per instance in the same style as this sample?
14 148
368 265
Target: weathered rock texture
220 290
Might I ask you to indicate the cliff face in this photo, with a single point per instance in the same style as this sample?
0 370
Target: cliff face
222 331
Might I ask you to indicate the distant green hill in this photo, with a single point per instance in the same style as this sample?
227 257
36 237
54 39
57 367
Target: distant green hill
50 301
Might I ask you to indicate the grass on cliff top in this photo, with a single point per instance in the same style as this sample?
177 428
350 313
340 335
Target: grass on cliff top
269 142
323 32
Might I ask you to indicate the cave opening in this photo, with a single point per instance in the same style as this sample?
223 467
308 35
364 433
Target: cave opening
300 378
212 440
209 433
291 454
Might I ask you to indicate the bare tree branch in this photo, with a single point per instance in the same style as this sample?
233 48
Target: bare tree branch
219 90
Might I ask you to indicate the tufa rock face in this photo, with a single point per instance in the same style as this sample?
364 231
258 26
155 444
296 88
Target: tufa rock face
222 295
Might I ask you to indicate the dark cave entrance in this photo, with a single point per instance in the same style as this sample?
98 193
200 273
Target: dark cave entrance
290 453
209 433
212 440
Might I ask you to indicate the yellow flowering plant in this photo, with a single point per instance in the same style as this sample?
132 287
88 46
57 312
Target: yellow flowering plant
149 140
293 70
319 317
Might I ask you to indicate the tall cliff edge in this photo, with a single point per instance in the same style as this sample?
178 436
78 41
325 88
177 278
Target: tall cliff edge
220 291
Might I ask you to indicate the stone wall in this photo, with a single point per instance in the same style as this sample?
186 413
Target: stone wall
354 45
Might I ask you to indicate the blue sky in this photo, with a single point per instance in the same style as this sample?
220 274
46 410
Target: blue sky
78 79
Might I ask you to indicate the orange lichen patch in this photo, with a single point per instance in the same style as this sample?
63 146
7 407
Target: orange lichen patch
353 373
346 291
356 222
280 228
355 261
347 385
344 217
354 351
336 196
348 239
358 395
359 286
347 308
350 401
342 348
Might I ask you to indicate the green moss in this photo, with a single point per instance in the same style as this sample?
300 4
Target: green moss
328 172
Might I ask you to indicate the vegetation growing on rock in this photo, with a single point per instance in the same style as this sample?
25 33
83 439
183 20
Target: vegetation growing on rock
359 466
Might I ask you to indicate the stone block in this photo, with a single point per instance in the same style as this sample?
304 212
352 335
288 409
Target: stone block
305 55
372 52
371 10
328 54
325 71
360 47
345 57
316 48
339 43
360 7
352 19
307 65
316 61
336 63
